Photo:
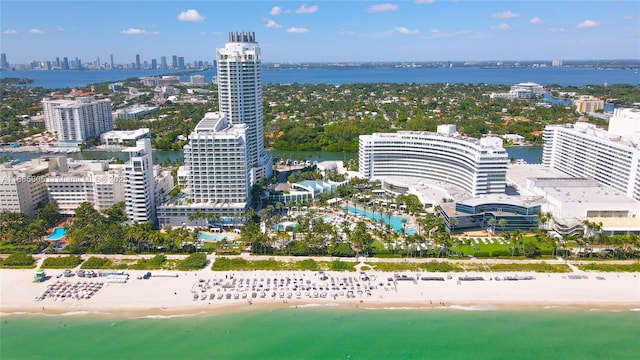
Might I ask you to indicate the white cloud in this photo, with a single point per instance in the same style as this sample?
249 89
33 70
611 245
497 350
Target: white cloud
535 20
35 31
297 30
347 33
501 27
588 24
627 17
10 32
304 9
404 30
557 30
134 31
504 15
424 1
59 28
272 24
190 15
276 10
382 7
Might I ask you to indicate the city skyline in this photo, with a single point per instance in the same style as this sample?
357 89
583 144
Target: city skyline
322 31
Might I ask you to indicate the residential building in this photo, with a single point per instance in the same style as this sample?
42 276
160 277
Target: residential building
77 120
611 156
197 80
139 181
135 111
23 184
475 166
215 176
239 79
588 104
92 181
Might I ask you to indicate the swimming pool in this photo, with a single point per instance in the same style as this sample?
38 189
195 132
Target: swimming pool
284 225
57 234
204 236
396 221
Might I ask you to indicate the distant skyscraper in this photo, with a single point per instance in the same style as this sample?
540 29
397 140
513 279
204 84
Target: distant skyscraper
174 61
78 64
240 96
180 62
154 64
58 64
138 62
163 63
65 63
112 65
3 61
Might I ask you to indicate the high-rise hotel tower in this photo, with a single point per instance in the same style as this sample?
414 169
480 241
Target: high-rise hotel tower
240 96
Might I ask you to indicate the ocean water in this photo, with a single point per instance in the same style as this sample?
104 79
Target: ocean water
321 333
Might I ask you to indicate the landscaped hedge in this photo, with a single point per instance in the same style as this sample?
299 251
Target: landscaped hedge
154 263
97 263
635 267
18 248
195 261
21 260
62 262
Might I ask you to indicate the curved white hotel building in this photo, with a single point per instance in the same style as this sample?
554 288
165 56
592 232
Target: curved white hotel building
477 166
610 157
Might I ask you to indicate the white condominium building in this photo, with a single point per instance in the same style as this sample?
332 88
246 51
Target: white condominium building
610 157
139 191
528 90
239 79
23 185
478 166
77 120
215 176
78 181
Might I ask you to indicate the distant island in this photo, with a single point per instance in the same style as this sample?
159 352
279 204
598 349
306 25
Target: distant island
15 81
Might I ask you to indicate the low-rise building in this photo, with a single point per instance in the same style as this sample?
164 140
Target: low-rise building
124 137
23 184
92 181
588 104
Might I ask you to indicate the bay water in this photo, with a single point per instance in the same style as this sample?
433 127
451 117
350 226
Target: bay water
321 333
564 76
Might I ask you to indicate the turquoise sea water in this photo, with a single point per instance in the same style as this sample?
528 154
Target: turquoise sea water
314 333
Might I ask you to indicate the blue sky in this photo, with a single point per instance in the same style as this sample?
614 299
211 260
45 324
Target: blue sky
323 31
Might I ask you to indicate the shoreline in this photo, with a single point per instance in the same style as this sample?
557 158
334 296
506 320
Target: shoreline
209 293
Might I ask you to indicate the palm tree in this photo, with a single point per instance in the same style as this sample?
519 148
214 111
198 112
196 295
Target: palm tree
492 224
502 223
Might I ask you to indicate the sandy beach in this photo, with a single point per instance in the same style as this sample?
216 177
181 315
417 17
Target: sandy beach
168 293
